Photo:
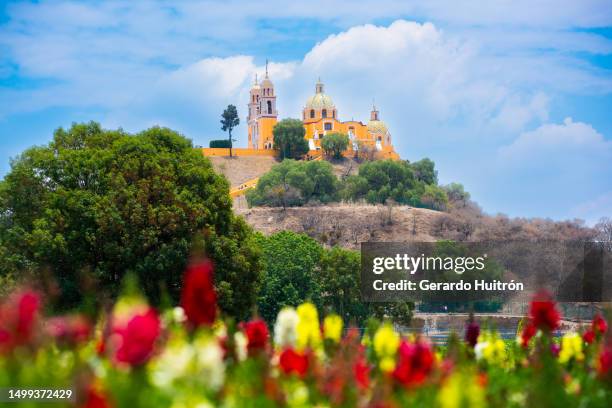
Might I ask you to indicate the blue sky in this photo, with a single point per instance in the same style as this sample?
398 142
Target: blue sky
511 98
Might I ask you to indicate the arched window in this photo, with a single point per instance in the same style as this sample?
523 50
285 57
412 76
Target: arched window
333 114
312 113
269 107
324 113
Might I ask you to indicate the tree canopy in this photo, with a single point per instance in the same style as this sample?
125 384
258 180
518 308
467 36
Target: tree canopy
334 144
293 183
229 120
289 139
104 203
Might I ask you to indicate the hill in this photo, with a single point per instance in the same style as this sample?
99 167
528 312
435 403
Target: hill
348 224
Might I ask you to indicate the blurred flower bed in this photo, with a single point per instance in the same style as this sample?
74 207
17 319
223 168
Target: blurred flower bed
189 356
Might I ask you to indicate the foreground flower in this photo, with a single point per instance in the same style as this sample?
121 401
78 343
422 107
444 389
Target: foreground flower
599 325
69 330
386 342
490 348
332 328
461 390
415 363
308 330
18 318
527 334
571 348
472 331
257 335
543 312
209 361
198 298
293 362
135 329
285 328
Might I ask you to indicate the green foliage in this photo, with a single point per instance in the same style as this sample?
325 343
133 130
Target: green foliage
220 144
293 183
290 272
229 120
289 139
334 144
424 171
340 278
296 183
103 203
381 180
456 193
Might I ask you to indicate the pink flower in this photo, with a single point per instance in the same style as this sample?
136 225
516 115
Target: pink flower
69 330
415 363
198 298
133 341
18 318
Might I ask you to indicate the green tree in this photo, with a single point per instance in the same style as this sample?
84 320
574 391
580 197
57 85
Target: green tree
434 197
290 272
334 144
101 203
289 139
457 194
424 171
340 280
294 183
229 120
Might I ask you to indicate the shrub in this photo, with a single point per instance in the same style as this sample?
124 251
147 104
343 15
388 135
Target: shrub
220 144
293 183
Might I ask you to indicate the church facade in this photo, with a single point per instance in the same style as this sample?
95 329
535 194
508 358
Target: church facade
320 117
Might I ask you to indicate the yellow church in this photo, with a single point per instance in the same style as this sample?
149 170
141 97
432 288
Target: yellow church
320 117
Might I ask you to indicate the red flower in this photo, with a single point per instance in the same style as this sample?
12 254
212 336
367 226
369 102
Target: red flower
69 330
472 331
543 312
599 324
361 370
415 363
257 335
528 332
134 342
18 316
605 361
96 399
198 297
293 362
588 336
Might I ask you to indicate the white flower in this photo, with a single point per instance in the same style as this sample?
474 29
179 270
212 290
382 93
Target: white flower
480 348
241 345
209 361
285 328
178 314
173 363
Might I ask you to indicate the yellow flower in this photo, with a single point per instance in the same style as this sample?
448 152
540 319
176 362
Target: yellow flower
571 347
332 327
461 390
308 331
386 342
491 348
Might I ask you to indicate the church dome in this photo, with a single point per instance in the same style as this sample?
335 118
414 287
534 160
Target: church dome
266 83
320 100
377 126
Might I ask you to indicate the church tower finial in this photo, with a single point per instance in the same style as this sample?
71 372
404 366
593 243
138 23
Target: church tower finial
319 86
374 113
266 68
